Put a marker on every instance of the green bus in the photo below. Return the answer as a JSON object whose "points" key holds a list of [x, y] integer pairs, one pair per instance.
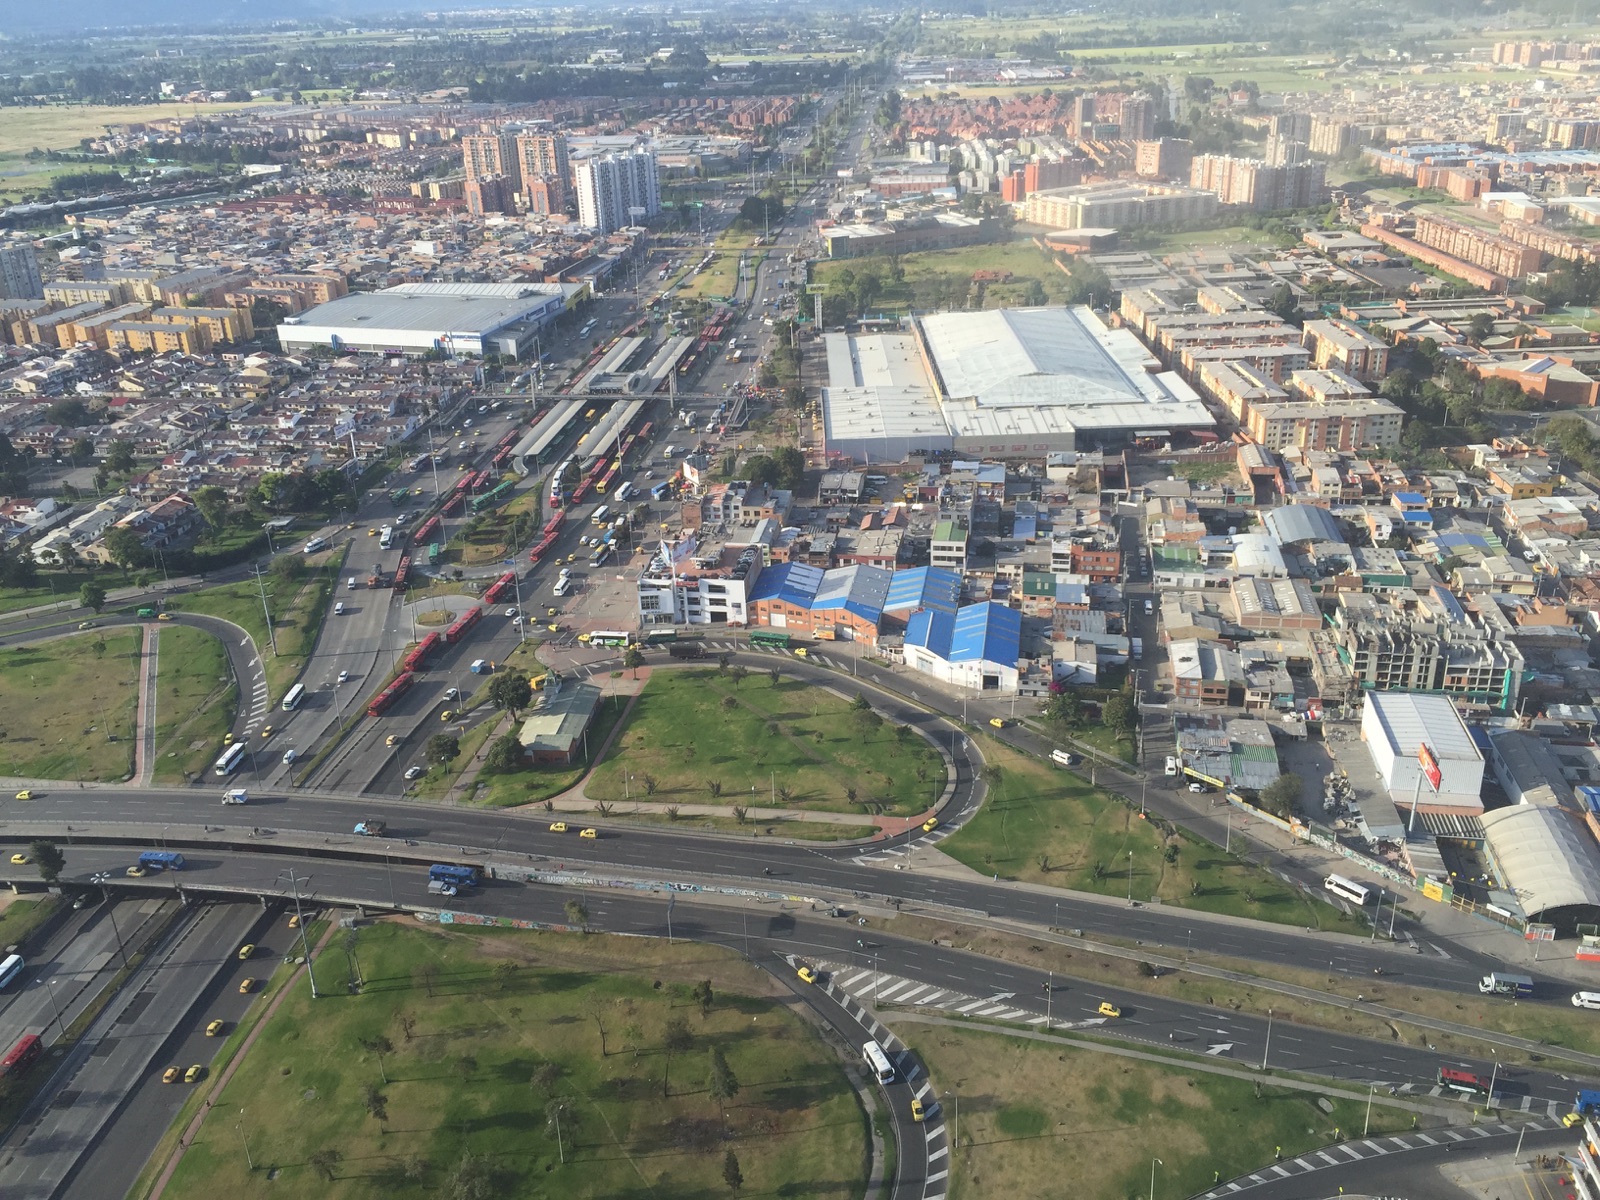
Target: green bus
{"points": [[770, 637], [433, 554], [147, 612], [657, 637]]}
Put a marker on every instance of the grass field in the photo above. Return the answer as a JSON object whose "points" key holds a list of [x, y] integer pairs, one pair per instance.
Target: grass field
{"points": [[297, 611], [67, 707], [1045, 826], [1203, 472], [755, 736], [536, 784], [62, 126], [493, 1032], [1033, 1114], [720, 278], [196, 699], [54, 586], [1024, 260], [20, 917]]}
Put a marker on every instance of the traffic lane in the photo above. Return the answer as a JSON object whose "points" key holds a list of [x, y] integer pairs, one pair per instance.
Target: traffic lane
{"points": [[911, 1169], [795, 930], [26, 1004]]}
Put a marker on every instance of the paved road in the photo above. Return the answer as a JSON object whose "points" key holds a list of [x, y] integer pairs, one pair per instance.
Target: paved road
{"points": [[756, 930], [121, 1045]]}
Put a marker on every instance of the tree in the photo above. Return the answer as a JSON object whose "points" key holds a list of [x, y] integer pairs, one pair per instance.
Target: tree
{"points": [[505, 754], [1281, 795], [288, 568], [511, 691], [703, 996], [738, 675], [442, 747], [1283, 304], [1480, 327], [92, 595], [472, 1179], [68, 412], [633, 659], [48, 858], [859, 704], [119, 457], [867, 724], [722, 1083], [212, 502], [676, 1038], [82, 450], [577, 914], [1064, 708], [731, 1174], [124, 547], [324, 1161], [379, 1045], [1117, 712], [376, 1102]]}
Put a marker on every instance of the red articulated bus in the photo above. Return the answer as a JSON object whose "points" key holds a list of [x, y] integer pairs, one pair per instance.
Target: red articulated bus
{"points": [[500, 588], [463, 623], [426, 531], [401, 572], [419, 654], [21, 1056], [384, 700]]}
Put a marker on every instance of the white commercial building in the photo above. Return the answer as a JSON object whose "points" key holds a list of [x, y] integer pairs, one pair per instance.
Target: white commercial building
{"points": [[1018, 383], [471, 319], [616, 190], [1395, 725]]}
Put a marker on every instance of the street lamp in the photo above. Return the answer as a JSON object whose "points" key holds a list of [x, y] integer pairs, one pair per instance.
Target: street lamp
{"points": [[245, 1138], [55, 1004], [1154, 1163], [111, 911], [294, 886], [1268, 1046], [1130, 878]]}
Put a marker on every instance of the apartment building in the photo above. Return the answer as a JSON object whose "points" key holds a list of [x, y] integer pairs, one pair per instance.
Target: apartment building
{"points": [[1206, 673], [1237, 386], [92, 329], [1492, 281], [19, 273], [611, 188], [95, 291], [1163, 158], [490, 160], [1331, 137], [1349, 348], [1118, 205], [1491, 251], [544, 173], [157, 337], [221, 324], [1312, 384], [948, 548], [1345, 423], [1257, 185]]}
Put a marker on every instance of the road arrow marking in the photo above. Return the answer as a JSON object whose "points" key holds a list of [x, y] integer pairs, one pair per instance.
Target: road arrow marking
{"points": [[999, 996], [1219, 1048]]}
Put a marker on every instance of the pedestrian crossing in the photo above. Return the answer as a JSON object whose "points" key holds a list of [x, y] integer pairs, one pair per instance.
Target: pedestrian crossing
{"points": [[1344, 1153], [877, 987]]}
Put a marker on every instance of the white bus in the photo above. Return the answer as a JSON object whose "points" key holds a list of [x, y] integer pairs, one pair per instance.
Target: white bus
{"points": [[292, 700], [10, 969], [1348, 889], [600, 514], [587, 329], [386, 536], [230, 760], [624, 491], [878, 1062]]}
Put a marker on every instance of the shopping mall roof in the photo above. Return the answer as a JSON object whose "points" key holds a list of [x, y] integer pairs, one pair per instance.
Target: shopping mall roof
{"points": [[462, 308]]}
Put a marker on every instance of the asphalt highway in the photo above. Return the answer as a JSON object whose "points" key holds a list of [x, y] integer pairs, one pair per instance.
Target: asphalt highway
{"points": [[763, 930]]}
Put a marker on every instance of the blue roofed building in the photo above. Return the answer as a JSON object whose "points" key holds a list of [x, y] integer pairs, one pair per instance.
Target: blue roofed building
{"points": [[934, 588], [976, 647], [846, 602]]}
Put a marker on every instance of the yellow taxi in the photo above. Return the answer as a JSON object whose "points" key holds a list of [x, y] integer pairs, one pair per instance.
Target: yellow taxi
{"points": [[1571, 1119], [591, 834], [193, 1073], [392, 740], [246, 986], [25, 794], [446, 714], [170, 1075], [135, 872], [998, 722], [930, 825], [294, 920], [807, 974], [266, 731], [19, 859], [1108, 1009], [164, 617], [918, 1113], [227, 739], [246, 950], [558, 827], [800, 652], [372, 533], [214, 1029]]}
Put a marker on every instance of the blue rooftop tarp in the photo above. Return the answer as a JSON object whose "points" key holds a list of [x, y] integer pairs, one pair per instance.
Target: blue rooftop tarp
{"points": [[937, 588]]}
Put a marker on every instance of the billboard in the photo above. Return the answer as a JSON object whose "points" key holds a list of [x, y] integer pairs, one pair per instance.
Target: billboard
{"points": [[1430, 765]]}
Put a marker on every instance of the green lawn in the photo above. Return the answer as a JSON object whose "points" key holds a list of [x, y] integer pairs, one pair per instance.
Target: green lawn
{"points": [[1204, 472], [20, 918], [536, 784], [757, 737], [1020, 256], [67, 707], [1034, 1113], [1107, 741], [196, 699], [55, 586], [297, 612], [1046, 826], [489, 1029]]}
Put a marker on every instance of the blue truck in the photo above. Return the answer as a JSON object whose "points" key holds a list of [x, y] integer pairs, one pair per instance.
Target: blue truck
{"points": [[161, 860]]}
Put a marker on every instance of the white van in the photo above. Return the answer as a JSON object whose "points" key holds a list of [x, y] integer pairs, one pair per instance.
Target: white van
{"points": [[1172, 765], [338, 609], [1062, 759], [241, 796], [315, 544], [1586, 999], [350, 584]]}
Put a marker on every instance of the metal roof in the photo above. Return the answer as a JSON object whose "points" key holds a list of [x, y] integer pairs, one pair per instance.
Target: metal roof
{"points": [[987, 632], [1410, 718], [857, 589], [791, 583], [420, 307], [1546, 856], [924, 587], [1301, 523]]}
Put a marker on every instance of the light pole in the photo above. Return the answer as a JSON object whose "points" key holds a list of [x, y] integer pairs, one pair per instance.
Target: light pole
{"points": [[1268, 1046], [1493, 1076], [1049, 997], [1377, 916], [55, 1004], [105, 898], [245, 1138], [305, 947], [1154, 1163], [955, 1118], [1130, 878], [1367, 1124]]}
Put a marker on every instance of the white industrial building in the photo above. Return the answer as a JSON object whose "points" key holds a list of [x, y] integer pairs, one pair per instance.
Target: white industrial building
{"points": [[1007, 383], [1395, 725], [471, 319]]}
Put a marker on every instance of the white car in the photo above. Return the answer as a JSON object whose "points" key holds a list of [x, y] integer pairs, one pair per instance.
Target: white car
{"points": [[414, 772], [344, 676], [452, 693], [511, 612], [565, 572]]}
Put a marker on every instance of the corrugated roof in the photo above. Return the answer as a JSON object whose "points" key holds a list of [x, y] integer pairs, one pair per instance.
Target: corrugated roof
{"points": [[1409, 719], [790, 583], [1546, 856], [937, 588], [1301, 523], [857, 589], [987, 632]]}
